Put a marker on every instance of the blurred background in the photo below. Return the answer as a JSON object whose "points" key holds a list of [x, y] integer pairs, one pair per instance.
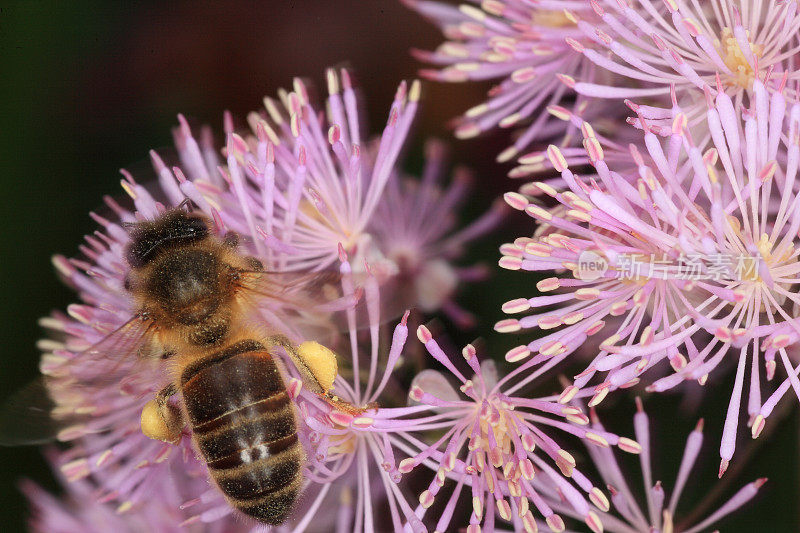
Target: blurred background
{"points": [[89, 87]]}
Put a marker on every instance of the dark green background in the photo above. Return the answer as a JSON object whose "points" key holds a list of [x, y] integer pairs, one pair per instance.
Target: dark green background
{"points": [[88, 87]]}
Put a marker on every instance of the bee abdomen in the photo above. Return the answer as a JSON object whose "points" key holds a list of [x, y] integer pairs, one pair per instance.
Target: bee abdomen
{"points": [[266, 488], [244, 427]]}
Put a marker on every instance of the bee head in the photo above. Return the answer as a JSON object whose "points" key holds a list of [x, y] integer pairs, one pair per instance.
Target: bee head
{"points": [[150, 238]]}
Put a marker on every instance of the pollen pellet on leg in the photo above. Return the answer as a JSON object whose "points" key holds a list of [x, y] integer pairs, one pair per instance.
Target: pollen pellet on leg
{"points": [[320, 361], [154, 424]]}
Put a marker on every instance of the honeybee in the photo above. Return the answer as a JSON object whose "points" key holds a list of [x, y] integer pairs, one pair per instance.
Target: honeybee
{"points": [[193, 293]]}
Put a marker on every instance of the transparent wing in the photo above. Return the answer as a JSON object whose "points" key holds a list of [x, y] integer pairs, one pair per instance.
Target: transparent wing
{"points": [[321, 294], [305, 291], [110, 359], [75, 383], [26, 416]]}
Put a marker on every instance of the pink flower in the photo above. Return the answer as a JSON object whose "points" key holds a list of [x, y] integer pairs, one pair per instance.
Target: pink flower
{"points": [[680, 48], [695, 253], [494, 444], [627, 514], [523, 45]]}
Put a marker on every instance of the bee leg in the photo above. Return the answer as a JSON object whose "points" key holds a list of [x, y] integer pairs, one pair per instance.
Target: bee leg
{"points": [[165, 394], [160, 419], [346, 407], [316, 363], [255, 264], [231, 239]]}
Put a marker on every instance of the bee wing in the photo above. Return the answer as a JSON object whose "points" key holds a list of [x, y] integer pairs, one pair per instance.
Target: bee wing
{"points": [[26, 416], [321, 293], [110, 359], [67, 395], [295, 290]]}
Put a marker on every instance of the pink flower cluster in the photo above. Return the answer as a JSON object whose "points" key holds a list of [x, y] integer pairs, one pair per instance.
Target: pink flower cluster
{"points": [[658, 144]]}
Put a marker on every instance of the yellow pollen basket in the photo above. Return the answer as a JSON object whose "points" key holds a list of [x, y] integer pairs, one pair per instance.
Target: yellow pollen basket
{"points": [[161, 424], [742, 73], [320, 362]]}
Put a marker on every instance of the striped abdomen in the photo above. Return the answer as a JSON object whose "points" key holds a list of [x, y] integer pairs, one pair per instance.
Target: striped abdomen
{"points": [[244, 426]]}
